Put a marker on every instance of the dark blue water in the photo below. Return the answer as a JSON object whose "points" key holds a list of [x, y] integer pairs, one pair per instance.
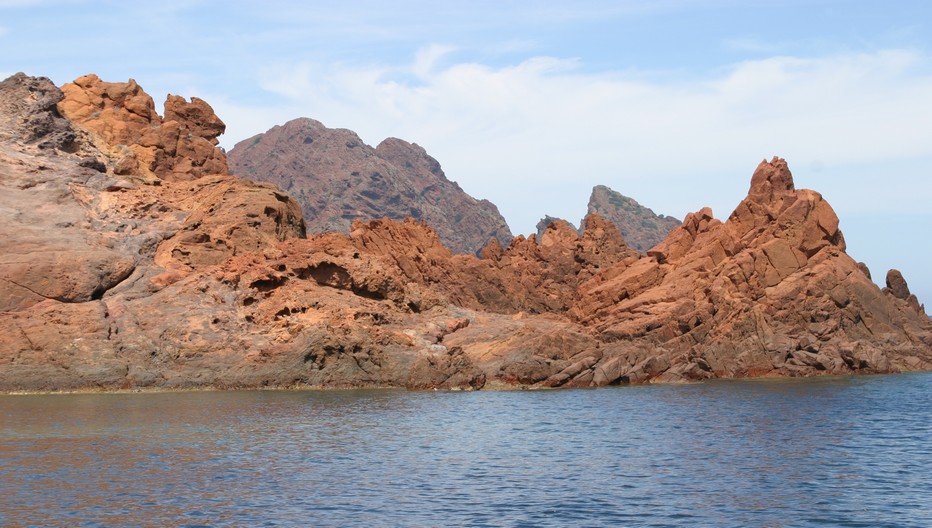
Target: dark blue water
{"points": [[831, 452]]}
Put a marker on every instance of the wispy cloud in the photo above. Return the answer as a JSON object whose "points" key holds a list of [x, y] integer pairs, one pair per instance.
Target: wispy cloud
{"points": [[545, 131], [427, 59]]}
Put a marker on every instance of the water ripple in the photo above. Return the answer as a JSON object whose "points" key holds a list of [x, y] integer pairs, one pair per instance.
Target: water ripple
{"points": [[830, 452]]}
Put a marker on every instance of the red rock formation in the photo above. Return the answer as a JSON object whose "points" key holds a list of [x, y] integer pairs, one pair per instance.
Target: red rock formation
{"points": [[136, 140], [217, 215], [525, 276], [78, 243], [50, 250], [769, 292], [106, 282]]}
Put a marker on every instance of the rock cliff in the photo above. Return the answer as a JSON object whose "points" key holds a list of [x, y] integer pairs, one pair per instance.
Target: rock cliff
{"points": [[132, 266], [338, 179], [770, 291]]}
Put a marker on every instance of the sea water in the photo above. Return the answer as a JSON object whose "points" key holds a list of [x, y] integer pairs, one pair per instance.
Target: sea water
{"points": [[853, 451]]}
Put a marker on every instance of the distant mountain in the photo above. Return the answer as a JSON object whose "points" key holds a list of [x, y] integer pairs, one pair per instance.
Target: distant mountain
{"points": [[641, 228], [545, 223], [337, 179]]}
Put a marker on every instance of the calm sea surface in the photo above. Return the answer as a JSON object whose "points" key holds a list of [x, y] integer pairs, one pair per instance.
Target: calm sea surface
{"points": [[830, 452]]}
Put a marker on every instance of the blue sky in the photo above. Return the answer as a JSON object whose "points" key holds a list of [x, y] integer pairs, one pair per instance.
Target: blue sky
{"points": [[530, 104]]}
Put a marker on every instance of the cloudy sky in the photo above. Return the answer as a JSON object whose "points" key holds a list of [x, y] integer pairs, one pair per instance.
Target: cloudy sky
{"points": [[530, 104]]}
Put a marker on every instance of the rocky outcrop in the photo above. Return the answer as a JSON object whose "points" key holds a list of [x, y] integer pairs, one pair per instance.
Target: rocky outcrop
{"points": [[29, 114], [338, 179], [49, 248], [897, 287], [769, 292], [641, 228], [544, 223], [74, 232], [527, 276], [137, 141], [130, 281]]}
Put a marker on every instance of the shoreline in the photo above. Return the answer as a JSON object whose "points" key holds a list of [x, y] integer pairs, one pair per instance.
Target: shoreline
{"points": [[493, 386]]}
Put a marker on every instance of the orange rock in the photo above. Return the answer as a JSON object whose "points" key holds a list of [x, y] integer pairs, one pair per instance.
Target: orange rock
{"points": [[773, 276], [122, 119]]}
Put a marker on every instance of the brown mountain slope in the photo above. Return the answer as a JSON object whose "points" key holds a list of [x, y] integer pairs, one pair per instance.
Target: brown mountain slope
{"points": [[337, 179], [183, 280], [640, 227]]}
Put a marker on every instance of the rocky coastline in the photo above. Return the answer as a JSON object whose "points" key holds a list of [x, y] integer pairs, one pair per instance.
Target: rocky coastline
{"points": [[133, 260]]}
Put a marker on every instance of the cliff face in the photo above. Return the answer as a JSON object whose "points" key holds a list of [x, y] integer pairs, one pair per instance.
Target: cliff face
{"points": [[124, 125], [159, 276], [80, 232], [640, 227], [338, 179], [770, 291]]}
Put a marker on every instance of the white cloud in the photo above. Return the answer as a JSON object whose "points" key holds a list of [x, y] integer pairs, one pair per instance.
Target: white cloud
{"points": [[544, 132], [427, 58]]}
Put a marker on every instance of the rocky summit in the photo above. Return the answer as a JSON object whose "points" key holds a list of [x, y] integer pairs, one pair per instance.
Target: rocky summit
{"points": [[131, 259], [641, 227], [338, 179]]}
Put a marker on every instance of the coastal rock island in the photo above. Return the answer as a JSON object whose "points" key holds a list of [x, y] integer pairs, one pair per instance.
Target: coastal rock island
{"points": [[132, 259]]}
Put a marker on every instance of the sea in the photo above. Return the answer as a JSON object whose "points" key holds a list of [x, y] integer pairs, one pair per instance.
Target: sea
{"points": [[845, 451]]}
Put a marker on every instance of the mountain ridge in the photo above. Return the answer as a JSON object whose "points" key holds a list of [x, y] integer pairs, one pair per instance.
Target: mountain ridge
{"points": [[337, 178]]}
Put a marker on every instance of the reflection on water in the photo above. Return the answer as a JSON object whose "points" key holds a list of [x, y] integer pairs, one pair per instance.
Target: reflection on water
{"points": [[835, 452]]}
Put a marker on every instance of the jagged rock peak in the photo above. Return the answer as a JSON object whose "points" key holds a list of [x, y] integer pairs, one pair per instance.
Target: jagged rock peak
{"points": [[197, 115], [771, 179], [121, 119], [897, 287], [896, 284], [641, 228], [545, 223]]}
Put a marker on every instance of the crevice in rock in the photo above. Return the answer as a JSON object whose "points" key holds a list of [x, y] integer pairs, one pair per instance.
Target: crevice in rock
{"points": [[27, 288]]}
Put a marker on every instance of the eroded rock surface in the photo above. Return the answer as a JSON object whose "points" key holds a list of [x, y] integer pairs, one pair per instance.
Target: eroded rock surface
{"points": [[136, 140], [768, 292], [77, 234]]}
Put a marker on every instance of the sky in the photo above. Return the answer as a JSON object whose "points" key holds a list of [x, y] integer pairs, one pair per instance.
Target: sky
{"points": [[530, 104]]}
